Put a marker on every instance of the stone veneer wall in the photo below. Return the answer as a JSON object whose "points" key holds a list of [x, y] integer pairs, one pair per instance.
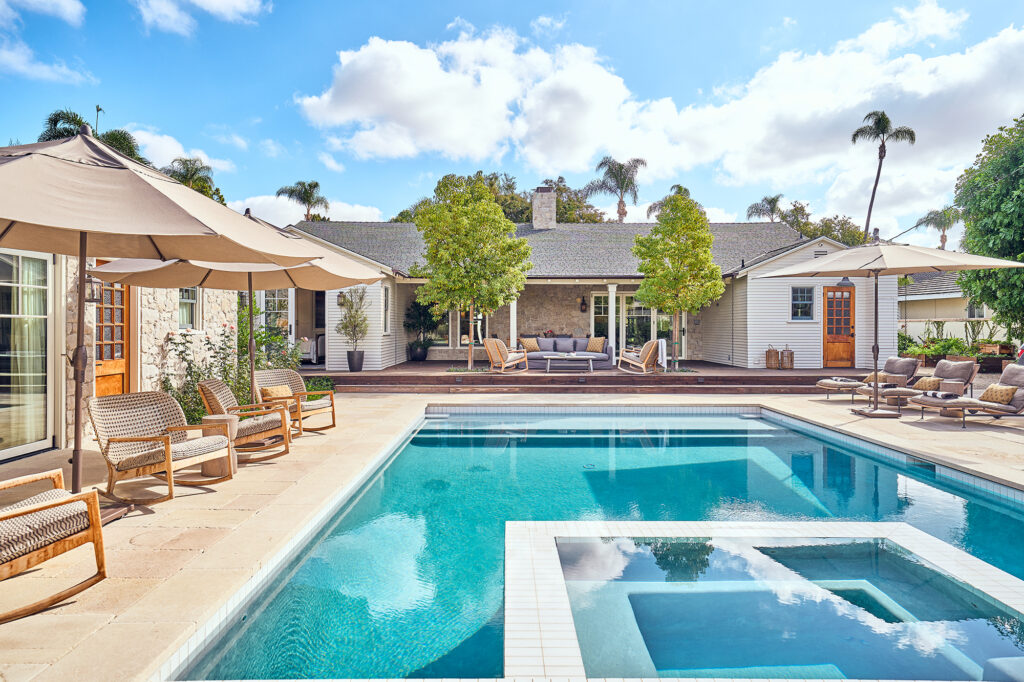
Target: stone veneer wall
{"points": [[694, 337], [548, 306], [70, 330]]}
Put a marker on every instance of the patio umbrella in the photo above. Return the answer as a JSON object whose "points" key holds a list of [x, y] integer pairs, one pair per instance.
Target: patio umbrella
{"points": [[77, 196], [880, 259], [331, 271]]}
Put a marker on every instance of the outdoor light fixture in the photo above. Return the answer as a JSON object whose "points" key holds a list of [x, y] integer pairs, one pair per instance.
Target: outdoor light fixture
{"points": [[93, 290], [844, 282], [583, 304]]}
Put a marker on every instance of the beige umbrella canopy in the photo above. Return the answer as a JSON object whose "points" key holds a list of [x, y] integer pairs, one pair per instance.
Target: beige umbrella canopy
{"points": [[881, 259], [78, 196]]}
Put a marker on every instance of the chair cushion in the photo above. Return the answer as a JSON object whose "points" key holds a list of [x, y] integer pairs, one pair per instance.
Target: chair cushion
{"points": [[529, 344], [259, 424], [24, 534], [564, 346], [998, 393], [960, 370], [579, 345], [271, 392], [928, 383], [833, 384], [631, 355], [595, 344], [310, 405], [1013, 375], [179, 451], [904, 366], [547, 345], [930, 401]]}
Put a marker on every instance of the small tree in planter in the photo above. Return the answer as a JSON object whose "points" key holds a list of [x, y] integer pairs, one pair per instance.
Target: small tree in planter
{"points": [[354, 324], [420, 320]]}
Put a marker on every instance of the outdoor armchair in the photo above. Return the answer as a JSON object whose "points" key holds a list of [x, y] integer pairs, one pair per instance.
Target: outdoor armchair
{"points": [[502, 359], [643, 361], [46, 525], [145, 434], [301, 403], [260, 427]]}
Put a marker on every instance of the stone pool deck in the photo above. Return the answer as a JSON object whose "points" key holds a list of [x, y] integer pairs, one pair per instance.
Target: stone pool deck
{"points": [[173, 565]]}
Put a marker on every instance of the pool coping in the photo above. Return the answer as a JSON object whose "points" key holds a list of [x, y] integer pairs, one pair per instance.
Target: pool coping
{"points": [[540, 635], [206, 632]]}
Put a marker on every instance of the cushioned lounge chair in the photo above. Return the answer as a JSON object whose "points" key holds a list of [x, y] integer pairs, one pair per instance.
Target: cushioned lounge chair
{"points": [[145, 434], [900, 369], [893, 380], [643, 361], [963, 407], [502, 359], [46, 525], [260, 427], [301, 403], [956, 377]]}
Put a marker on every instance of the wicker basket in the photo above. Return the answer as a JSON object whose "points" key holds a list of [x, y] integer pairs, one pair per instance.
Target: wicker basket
{"points": [[771, 358], [786, 359]]}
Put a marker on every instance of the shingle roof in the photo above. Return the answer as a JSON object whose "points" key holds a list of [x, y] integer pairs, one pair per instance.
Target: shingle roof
{"points": [[567, 250], [932, 283]]}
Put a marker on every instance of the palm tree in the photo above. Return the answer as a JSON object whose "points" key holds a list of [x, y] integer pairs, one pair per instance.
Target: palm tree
{"points": [[941, 220], [879, 128], [191, 172], [768, 208], [66, 123], [619, 180], [307, 194], [655, 208]]}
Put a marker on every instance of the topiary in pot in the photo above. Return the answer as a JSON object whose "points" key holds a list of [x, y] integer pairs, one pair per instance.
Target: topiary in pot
{"points": [[354, 324]]}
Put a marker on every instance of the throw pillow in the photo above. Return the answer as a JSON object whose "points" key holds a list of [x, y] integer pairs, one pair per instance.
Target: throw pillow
{"points": [[998, 393], [870, 379], [547, 345], [595, 344], [928, 383], [271, 392], [530, 344], [563, 345]]}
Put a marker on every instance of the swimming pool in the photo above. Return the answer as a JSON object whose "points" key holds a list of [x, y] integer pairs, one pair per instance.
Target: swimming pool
{"points": [[407, 579]]}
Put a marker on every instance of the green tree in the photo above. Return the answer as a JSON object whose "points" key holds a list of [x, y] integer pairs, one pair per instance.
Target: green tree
{"points": [[942, 220], [307, 195], [879, 129], [195, 174], [474, 261], [571, 205], [656, 207], [66, 123], [991, 196], [617, 179], [675, 260], [840, 228], [768, 208]]}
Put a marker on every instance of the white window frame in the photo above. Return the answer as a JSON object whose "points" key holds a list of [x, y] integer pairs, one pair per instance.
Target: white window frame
{"points": [[386, 301], [813, 303], [457, 317], [197, 320], [980, 308]]}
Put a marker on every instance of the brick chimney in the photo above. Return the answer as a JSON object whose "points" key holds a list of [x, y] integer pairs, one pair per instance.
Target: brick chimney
{"points": [[544, 208]]}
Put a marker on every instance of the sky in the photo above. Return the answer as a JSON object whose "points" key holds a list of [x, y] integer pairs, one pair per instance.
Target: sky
{"points": [[378, 100]]}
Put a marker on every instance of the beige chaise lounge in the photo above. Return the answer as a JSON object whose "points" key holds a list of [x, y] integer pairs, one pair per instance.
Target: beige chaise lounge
{"points": [[896, 370], [145, 434], [502, 359], [962, 406], [46, 525], [955, 376], [298, 399], [643, 361], [260, 427]]}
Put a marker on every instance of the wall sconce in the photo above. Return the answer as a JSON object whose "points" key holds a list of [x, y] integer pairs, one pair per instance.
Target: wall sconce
{"points": [[93, 290], [583, 304]]}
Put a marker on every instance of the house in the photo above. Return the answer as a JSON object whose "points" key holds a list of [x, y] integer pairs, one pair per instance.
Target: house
{"points": [[583, 282], [936, 297], [127, 332]]}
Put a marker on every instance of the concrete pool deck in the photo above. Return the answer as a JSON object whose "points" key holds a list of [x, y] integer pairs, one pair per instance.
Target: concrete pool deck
{"points": [[174, 565]]}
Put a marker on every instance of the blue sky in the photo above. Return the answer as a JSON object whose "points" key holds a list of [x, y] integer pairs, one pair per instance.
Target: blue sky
{"points": [[377, 100]]}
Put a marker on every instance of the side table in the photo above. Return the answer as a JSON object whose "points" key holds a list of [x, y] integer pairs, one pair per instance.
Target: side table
{"points": [[215, 468]]}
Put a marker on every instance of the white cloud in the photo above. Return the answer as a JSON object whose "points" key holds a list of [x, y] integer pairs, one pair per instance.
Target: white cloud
{"points": [[482, 95], [161, 149], [270, 148], [71, 11], [548, 25], [281, 211], [18, 58], [718, 215], [233, 139], [173, 16], [788, 22], [329, 161]]}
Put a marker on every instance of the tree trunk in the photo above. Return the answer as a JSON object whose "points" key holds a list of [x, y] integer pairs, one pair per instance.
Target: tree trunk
{"points": [[675, 340], [472, 337], [622, 211], [942, 240], [871, 204]]}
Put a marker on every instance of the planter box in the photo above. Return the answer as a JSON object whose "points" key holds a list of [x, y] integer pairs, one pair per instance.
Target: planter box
{"points": [[932, 360], [995, 348], [961, 358], [993, 364]]}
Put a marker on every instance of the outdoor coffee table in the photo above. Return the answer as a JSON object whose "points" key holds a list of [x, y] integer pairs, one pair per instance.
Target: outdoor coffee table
{"points": [[568, 357]]}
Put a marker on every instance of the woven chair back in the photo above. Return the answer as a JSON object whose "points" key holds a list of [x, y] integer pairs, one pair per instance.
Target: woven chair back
{"points": [[148, 413]]}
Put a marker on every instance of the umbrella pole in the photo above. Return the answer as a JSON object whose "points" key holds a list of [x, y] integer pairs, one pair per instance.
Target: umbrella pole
{"points": [[79, 360], [874, 350], [252, 350]]}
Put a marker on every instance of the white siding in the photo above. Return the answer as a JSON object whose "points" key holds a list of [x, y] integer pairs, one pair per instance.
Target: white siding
{"points": [[379, 350], [768, 314], [723, 326]]}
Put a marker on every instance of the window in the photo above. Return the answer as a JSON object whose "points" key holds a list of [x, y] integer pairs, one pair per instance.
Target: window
{"points": [[479, 328], [275, 311], [975, 311], [385, 292], [319, 316], [801, 304], [440, 335], [188, 307], [600, 308]]}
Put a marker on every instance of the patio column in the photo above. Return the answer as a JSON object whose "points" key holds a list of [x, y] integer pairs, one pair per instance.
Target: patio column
{"points": [[513, 324], [613, 324]]}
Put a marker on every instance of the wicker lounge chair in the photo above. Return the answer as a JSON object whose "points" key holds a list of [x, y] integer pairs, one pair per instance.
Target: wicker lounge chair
{"points": [[963, 407], [643, 361], [301, 403], [260, 427], [145, 434], [502, 359], [46, 525]]}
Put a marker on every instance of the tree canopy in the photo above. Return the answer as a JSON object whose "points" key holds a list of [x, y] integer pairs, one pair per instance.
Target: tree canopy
{"points": [[769, 207], [879, 129], [838, 227], [618, 178], [64, 123], [195, 174], [941, 220], [571, 205], [307, 195], [474, 261], [656, 206], [990, 195]]}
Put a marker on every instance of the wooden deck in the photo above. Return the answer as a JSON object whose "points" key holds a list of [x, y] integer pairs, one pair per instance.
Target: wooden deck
{"points": [[706, 377]]}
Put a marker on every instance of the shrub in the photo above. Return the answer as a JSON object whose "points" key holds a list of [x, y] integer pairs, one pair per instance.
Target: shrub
{"points": [[904, 342]]}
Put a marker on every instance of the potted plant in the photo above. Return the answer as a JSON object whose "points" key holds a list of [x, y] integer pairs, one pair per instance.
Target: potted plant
{"points": [[354, 324], [420, 320]]}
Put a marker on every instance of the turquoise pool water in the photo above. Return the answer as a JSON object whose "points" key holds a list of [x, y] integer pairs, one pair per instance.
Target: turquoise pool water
{"points": [[406, 580]]}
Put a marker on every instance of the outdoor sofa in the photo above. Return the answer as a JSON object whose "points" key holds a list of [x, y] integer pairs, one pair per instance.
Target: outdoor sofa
{"points": [[546, 346], [950, 405]]}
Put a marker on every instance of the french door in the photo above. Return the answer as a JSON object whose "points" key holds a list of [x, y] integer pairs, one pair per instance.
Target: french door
{"points": [[635, 324], [113, 340]]}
